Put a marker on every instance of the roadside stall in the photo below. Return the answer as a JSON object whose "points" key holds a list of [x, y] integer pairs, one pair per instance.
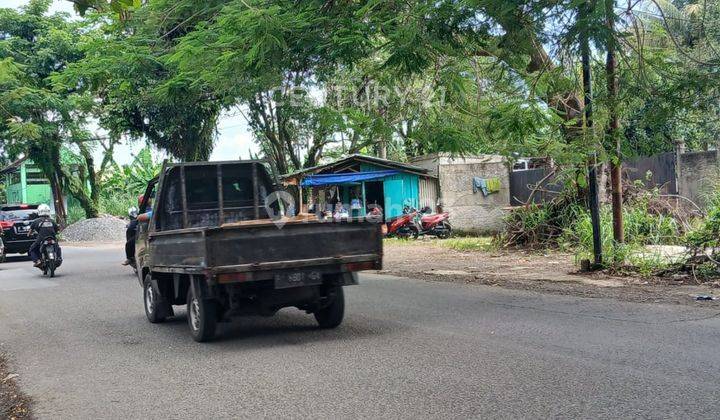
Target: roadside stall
{"points": [[358, 184]]}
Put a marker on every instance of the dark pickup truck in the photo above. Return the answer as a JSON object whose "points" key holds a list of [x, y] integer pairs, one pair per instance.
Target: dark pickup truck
{"points": [[217, 242]]}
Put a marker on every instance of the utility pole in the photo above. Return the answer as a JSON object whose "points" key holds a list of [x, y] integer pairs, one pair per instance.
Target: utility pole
{"points": [[593, 199], [614, 127]]}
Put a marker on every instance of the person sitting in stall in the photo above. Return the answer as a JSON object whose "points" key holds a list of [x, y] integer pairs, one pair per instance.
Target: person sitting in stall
{"points": [[340, 212]]}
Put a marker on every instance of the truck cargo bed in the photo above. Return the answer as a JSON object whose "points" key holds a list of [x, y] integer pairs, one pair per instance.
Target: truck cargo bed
{"points": [[247, 247]]}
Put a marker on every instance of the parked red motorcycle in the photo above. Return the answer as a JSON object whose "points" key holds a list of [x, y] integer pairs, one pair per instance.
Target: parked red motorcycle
{"points": [[404, 226], [434, 224]]}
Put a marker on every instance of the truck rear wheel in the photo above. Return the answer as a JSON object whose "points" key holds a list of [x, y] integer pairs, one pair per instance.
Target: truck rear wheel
{"points": [[153, 306], [202, 317], [332, 315]]}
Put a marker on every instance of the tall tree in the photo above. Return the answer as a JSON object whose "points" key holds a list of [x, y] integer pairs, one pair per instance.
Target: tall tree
{"points": [[613, 130], [37, 120]]}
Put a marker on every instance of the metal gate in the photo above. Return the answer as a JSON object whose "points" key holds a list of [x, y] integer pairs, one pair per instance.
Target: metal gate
{"points": [[523, 183], [654, 171]]}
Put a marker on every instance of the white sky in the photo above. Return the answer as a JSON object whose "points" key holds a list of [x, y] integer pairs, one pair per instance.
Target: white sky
{"points": [[234, 139]]}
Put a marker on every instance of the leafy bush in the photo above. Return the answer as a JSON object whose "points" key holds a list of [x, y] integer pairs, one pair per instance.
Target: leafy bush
{"points": [[129, 180], [707, 234], [117, 204], [75, 213], [704, 241]]}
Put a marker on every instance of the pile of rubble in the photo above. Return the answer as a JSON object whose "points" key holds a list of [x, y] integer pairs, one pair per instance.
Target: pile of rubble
{"points": [[105, 228]]}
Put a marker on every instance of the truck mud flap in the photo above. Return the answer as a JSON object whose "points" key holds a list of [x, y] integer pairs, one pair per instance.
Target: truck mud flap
{"points": [[164, 303]]}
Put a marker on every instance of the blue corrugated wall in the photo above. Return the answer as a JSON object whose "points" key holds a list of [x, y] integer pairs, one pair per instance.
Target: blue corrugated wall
{"points": [[400, 190]]}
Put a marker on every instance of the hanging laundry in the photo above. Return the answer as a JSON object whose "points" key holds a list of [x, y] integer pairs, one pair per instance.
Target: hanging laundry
{"points": [[486, 186], [493, 185], [480, 184]]}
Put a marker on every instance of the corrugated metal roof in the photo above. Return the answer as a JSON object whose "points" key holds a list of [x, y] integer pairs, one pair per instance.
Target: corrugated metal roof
{"points": [[361, 158], [13, 166]]}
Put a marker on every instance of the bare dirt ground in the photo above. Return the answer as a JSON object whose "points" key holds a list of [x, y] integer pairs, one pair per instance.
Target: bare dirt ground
{"points": [[13, 403], [550, 272]]}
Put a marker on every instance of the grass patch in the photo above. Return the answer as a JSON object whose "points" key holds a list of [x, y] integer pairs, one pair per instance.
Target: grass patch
{"points": [[464, 243], [401, 242], [468, 244]]}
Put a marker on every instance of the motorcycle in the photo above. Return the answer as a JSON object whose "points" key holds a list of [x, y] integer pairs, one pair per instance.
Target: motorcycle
{"points": [[434, 224], [404, 226], [50, 258]]}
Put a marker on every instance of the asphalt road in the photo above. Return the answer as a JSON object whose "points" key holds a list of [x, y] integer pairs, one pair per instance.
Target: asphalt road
{"points": [[407, 349]]}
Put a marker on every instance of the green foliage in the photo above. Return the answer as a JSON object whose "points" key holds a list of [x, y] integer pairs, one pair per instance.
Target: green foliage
{"points": [[706, 236], [117, 204], [643, 226], [567, 225], [75, 213], [121, 182]]}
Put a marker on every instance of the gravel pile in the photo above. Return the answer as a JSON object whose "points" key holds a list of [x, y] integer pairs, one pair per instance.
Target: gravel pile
{"points": [[102, 229]]}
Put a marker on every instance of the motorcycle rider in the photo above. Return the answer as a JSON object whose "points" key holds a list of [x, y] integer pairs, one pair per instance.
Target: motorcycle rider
{"points": [[45, 228]]}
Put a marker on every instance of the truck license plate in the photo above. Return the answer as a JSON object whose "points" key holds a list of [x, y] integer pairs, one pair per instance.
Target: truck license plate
{"points": [[297, 279]]}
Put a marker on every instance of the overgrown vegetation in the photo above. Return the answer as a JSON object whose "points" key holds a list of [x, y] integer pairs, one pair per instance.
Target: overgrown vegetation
{"points": [[565, 224]]}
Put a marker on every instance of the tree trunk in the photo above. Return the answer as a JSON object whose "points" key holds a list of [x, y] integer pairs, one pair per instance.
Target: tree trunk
{"points": [[92, 208], [614, 125], [60, 212]]}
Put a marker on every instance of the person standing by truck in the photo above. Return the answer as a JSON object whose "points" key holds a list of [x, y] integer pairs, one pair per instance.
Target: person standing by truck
{"points": [[131, 231]]}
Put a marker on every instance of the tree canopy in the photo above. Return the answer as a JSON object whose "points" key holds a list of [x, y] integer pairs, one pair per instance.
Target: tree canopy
{"points": [[317, 79]]}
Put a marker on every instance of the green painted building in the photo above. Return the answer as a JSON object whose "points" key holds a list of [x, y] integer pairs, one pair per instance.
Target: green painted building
{"points": [[25, 183]]}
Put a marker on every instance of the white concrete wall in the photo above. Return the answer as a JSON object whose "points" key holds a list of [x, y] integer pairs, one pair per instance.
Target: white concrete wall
{"points": [[470, 212]]}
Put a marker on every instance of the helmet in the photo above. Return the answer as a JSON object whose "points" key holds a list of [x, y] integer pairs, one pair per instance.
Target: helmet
{"points": [[43, 210], [133, 212]]}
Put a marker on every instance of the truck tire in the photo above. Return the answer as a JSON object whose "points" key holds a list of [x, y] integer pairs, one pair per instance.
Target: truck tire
{"points": [[332, 315], [153, 305], [202, 317]]}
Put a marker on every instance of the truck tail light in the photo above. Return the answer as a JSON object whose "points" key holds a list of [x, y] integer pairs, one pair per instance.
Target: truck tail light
{"points": [[360, 266], [233, 277]]}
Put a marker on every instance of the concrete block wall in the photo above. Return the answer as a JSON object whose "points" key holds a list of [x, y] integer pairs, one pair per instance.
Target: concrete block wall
{"points": [[698, 174], [470, 212]]}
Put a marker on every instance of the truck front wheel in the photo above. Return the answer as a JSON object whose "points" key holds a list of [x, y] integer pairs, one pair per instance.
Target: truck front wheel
{"points": [[332, 315], [202, 317]]}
